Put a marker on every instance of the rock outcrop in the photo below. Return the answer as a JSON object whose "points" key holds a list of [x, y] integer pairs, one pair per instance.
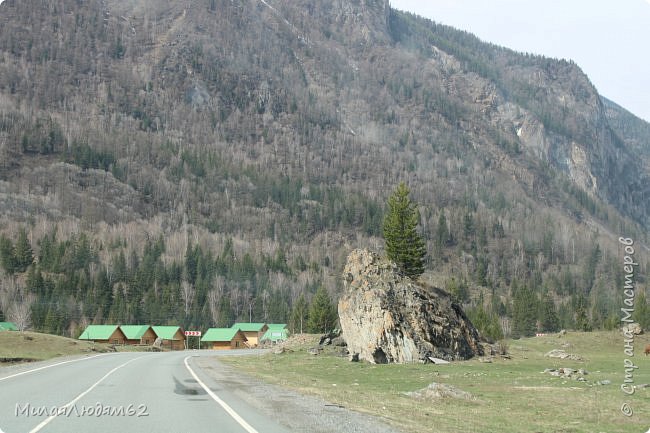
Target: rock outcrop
{"points": [[387, 318], [437, 391], [632, 329]]}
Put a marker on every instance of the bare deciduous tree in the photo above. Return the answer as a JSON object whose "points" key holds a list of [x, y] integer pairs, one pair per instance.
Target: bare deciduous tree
{"points": [[236, 301], [250, 301], [21, 311], [214, 298], [187, 292], [265, 304]]}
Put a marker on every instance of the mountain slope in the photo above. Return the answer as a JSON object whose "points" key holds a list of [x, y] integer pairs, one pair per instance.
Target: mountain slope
{"points": [[634, 131], [276, 129]]}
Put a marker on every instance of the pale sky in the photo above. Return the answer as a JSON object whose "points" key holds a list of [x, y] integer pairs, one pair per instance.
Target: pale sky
{"points": [[608, 39]]}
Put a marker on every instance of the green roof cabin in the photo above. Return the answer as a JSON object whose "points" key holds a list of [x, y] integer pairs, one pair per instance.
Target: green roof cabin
{"points": [[111, 334], [225, 338], [252, 331], [275, 333], [172, 337], [8, 326], [138, 334]]}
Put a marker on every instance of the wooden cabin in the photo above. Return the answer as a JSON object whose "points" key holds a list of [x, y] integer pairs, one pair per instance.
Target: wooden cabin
{"points": [[252, 331], [275, 333], [171, 337], [110, 334], [225, 338], [138, 334]]}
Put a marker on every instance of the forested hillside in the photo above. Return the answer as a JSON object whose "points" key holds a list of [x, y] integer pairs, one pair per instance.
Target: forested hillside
{"points": [[200, 162]]}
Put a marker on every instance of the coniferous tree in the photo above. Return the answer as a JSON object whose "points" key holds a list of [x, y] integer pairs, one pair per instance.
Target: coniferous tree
{"points": [[458, 290], [322, 314], [468, 226], [23, 255], [191, 262], [548, 315], [581, 319], [7, 255], [589, 270], [225, 313], [641, 313], [442, 232], [404, 245], [119, 269], [486, 322], [299, 315], [524, 312], [278, 307], [50, 321]]}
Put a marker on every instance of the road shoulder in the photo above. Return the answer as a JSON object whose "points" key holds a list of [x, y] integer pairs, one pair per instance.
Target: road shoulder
{"points": [[295, 411]]}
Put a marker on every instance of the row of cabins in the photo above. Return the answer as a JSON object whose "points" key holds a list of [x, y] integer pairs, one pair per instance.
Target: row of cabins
{"points": [[244, 335], [240, 335], [171, 337]]}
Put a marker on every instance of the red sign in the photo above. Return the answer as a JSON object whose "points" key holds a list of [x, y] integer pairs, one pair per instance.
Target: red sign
{"points": [[192, 333]]}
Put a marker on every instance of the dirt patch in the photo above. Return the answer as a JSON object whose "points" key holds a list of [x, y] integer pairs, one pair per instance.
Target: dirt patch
{"points": [[561, 354], [437, 391], [538, 388], [9, 361]]}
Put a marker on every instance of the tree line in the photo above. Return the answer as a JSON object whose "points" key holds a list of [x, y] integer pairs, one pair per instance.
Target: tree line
{"points": [[70, 282], [69, 288]]}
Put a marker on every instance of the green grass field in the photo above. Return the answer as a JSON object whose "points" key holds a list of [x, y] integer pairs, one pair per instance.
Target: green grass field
{"points": [[510, 395], [33, 346]]}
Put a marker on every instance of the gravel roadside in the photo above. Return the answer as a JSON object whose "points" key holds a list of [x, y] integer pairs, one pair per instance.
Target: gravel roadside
{"points": [[297, 412]]}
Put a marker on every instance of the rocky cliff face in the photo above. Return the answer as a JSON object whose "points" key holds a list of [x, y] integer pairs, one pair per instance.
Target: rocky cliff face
{"points": [[388, 318]]}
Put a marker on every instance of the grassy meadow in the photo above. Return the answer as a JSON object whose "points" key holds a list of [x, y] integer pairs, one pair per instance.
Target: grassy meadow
{"points": [[33, 346], [509, 395]]}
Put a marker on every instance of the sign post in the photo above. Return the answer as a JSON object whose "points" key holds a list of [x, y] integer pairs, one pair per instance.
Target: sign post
{"points": [[196, 334]]}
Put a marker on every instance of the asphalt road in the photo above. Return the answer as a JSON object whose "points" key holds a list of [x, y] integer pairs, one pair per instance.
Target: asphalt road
{"points": [[124, 392]]}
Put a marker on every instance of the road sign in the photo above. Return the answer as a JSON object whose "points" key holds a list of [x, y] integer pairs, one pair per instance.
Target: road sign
{"points": [[192, 333]]}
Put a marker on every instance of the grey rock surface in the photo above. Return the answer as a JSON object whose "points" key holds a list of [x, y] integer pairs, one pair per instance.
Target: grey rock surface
{"points": [[388, 318]]}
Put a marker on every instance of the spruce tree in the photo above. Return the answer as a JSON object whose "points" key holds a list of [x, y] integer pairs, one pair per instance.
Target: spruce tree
{"points": [[582, 322], [23, 254], [548, 315], [7, 258], [442, 233], [525, 308], [404, 245], [322, 314], [226, 316], [299, 315]]}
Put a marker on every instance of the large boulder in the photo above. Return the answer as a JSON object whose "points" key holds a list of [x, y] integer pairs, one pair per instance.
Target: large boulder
{"points": [[386, 317]]}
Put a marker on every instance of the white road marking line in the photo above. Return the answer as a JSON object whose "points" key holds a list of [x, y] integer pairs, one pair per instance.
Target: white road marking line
{"points": [[80, 396], [222, 403], [48, 366]]}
